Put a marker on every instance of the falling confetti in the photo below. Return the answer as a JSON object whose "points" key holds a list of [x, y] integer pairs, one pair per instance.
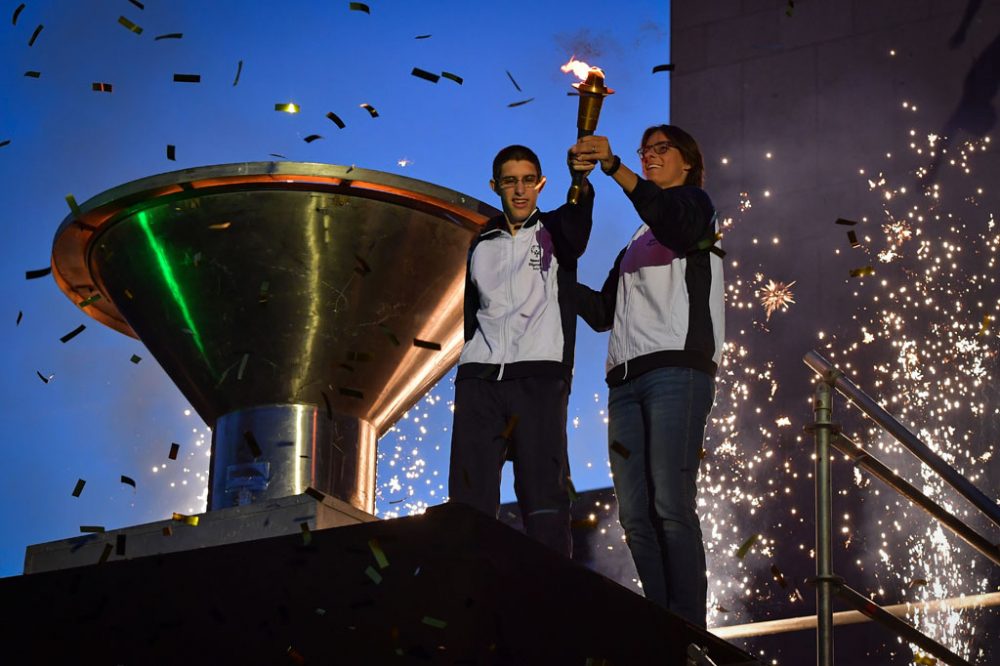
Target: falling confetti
{"points": [[239, 70], [663, 68], [171, 152], [169, 35], [424, 344], [336, 119], [187, 78], [312, 137], [511, 77], [174, 450], [360, 7], [521, 103], [101, 87], [424, 74], [129, 481], [453, 77], [132, 27], [287, 107], [72, 334], [80, 483], [34, 35], [370, 109], [17, 12]]}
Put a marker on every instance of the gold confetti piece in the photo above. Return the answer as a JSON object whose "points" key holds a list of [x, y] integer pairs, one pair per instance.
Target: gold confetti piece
{"points": [[187, 78], [37, 273], [128, 295], [454, 77], [721, 608], [239, 70], [92, 529], [20, 316], [847, 223], [360, 7], [307, 536], [925, 660], [187, 520], [434, 622], [72, 334], [169, 35], [521, 103], [336, 119], [120, 544], [32, 74], [422, 37], [424, 344], [985, 325], [128, 480], [137, 4], [389, 334], [287, 107], [425, 75], [171, 152], [370, 109], [106, 554], [852, 238], [80, 483], [374, 575], [620, 449], [73, 207], [167, 531], [252, 443], [100, 87], [379, 554], [91, 300], [669, 67], [129, 25], [790, 8], [350, 393], [745, 547], [315, 494], [863, 271], [220, 226], [778, 576], [174, 449], [508, 429], [17, 12], [45, 380], [312, 137], [511, 77], [571, 489], [34, 35]]}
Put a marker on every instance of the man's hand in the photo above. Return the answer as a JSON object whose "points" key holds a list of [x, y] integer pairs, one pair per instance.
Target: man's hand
{"points": [[590, 150]]}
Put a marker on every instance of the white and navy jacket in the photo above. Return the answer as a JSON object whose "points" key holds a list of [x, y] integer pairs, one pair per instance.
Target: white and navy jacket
{"points": [[520, 314], [663, 300]]}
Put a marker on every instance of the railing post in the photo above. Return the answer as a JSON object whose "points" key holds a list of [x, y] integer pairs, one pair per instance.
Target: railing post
{"points": [[823, 410]]}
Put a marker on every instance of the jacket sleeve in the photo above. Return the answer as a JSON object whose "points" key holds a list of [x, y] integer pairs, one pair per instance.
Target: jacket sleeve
{"points": [[471, 296], [570, 226], [597, 308], [679, 217]]}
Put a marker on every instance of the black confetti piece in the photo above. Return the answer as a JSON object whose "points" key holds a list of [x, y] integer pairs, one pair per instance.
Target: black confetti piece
{"points": [[454, 77], [778, 576], [127, 480], [119, 544], [329, 408], [417, 37], [312, 137], [174, 449], [853, 238], [620, 449], [169, 35], [263, 294], [424, 74], [252, 444], [315, 494], [5, 142], [511, 77], [916, 582], [135, 358], [45, 380], [239, 70], [306, 534], [80, 483], [362, 357], [360, 7], [425, 344], [521, 103], [132, 27], [17, 12], [745, 547], [92, 529], [171, 152], [389, 334], [20, 316], [34, 35], [336, 119], [106, 554], [371, 111], [362, 268], [350, 393], [669, 67], [37, 273], [137, 4], [72, 334], [98, 86], [187, 78], [790, 8], [848, 223], [278, 155], [32, 74]]}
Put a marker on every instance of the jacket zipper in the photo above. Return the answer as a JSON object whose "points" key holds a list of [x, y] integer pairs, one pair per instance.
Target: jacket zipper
{"points": [[510, 301]]}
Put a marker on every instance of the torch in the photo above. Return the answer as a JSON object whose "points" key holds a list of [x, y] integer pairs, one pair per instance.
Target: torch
{"points": [[592, 92]]}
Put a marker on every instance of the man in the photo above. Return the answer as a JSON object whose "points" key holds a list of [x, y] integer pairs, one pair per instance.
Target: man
{"points": [[516, 366]]}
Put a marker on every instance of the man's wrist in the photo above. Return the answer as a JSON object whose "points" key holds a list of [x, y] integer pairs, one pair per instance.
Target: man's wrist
{"points": [[615, 165]]}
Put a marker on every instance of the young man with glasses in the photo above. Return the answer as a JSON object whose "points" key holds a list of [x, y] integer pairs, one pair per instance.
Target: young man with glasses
{"points": [[514, 374]]}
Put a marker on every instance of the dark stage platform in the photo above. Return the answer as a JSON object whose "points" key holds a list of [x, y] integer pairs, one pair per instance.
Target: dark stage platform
{"points": [[448, 587]]}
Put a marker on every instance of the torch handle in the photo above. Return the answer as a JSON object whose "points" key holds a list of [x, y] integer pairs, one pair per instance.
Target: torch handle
{"points": [[576, 184]]}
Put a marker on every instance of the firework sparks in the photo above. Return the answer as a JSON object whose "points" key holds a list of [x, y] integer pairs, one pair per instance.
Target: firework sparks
{"points": [[775, 296]]}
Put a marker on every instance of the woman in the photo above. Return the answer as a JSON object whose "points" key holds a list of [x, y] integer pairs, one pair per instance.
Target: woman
{"points": [[663, 302]]}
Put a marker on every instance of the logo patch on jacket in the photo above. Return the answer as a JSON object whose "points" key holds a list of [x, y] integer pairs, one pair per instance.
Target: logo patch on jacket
{"points": [[542, 251]]}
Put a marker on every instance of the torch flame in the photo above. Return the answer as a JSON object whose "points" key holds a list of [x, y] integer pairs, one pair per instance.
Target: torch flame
{"points": [[579, 68]]}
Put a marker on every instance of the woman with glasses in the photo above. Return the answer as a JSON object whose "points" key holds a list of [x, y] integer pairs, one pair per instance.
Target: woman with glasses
{"points": [[663, 303]]}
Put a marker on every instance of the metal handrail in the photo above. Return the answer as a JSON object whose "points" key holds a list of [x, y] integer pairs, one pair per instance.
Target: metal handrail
{"points": [[825, 432], [875, 412]]}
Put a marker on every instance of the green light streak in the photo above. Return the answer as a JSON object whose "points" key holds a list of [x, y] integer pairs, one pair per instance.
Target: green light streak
{"points": [[168, 277]]}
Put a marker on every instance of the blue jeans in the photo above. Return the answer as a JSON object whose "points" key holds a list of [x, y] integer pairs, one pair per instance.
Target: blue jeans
{"points": [[656, 424]]}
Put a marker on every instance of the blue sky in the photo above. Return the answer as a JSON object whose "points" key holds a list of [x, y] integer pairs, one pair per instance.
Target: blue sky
{"points": [[101, 416]]}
